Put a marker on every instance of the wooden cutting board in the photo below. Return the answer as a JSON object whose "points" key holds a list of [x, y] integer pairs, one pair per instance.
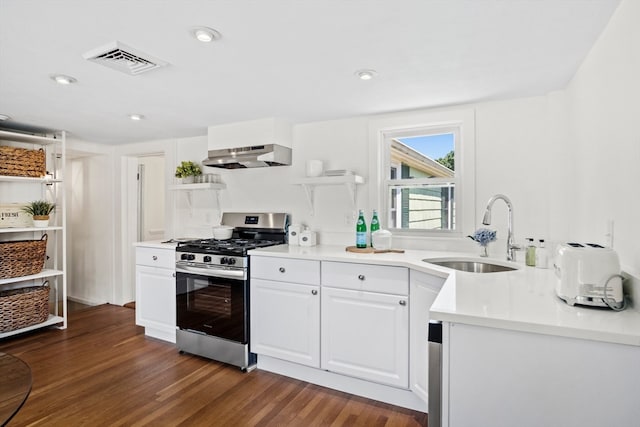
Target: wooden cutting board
{"points": [[372, 250]]}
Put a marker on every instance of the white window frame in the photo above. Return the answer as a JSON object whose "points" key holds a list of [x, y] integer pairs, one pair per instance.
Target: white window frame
{"points": [[383, 129]]}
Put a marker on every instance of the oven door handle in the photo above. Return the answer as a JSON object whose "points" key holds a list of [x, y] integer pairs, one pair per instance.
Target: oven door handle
{"points": [[239, 273]]}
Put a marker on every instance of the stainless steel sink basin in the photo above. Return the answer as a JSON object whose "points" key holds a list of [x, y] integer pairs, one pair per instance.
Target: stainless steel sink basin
{"points": [[470, 265]]}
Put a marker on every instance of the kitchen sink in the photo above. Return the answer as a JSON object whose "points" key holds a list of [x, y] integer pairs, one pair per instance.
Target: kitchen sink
{"points": [[471, 265]]}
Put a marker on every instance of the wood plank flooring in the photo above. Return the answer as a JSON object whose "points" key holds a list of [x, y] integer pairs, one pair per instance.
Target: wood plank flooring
{"points": [[103, 371]]}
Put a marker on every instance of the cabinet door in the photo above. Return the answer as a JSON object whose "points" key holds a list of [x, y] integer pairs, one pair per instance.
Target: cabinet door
{"points": [[424, 290], [366, 335], [285, 321], [156, 302]]}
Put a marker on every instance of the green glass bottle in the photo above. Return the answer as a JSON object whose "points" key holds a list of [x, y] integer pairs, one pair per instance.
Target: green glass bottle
{"points": [[361, 231], [375, 224]]}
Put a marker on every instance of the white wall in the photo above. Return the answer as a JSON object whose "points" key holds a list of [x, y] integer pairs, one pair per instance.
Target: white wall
{"points": [[605, 137], [567, 160]]}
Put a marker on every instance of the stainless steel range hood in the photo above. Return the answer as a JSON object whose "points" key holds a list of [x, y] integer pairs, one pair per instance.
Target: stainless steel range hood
{"points": [[255, 156]]}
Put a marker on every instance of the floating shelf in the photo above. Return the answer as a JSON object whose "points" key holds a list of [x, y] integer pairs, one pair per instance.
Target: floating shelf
{"points": [[189, 188], [349, 182], [199, 186]]}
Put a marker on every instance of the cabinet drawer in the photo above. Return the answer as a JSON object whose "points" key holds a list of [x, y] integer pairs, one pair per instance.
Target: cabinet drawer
{"points": [[155, 257], [286, 270], [366, 277]]}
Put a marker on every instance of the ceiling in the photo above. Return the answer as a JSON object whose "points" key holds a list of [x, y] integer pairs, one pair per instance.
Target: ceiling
{"points": [[293, 59]]}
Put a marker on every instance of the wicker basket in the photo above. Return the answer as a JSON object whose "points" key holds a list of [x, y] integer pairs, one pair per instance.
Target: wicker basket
{"points": [[23, 307], [22, 257], [15, 161]]}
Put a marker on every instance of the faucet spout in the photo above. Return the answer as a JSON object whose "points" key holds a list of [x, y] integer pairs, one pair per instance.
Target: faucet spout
{"points": [[486, 220]]}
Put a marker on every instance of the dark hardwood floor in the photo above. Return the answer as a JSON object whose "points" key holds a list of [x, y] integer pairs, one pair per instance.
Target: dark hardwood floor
{"points": [[102, 371]]}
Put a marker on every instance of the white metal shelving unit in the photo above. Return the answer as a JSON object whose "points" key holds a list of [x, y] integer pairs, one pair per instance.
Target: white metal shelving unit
{"points": [[52, 189], [349, 182]]}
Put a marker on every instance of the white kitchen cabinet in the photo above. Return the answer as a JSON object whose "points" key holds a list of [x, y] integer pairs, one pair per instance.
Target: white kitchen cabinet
{"points": [[286, 321], [156, 292], [424, 289], [22, 190], [365, 322], [499, 377], [285, 309]]}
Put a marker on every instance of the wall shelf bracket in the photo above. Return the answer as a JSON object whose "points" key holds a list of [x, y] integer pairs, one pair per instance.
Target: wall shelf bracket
{"points": [[349, 182]]}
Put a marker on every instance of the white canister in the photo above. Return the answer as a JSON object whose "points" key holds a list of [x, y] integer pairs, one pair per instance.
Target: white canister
{"points": [[293, 234], [314, 168], [307, 237], [381, 239]]}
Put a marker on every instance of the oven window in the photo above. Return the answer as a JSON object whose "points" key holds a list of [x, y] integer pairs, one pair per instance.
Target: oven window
{"points": [[211, 305]]}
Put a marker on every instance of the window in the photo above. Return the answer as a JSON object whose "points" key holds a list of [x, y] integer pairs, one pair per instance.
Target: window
{"points": [[421, 181], [426, 173]]}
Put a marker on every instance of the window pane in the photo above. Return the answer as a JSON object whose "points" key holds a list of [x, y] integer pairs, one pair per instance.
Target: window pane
{"points": [[422, 207], [423, 156]]}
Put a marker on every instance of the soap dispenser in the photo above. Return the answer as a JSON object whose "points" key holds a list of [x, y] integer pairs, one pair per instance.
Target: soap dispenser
{"points": [[542, 257], [530, 256]]}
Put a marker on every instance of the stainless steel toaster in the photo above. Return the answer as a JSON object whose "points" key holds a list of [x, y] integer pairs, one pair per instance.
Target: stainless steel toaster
{"points": [[587, 273]]}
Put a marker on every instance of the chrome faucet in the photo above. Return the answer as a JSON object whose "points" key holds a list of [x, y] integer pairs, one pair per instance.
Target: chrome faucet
{"points": [[486, 220]]}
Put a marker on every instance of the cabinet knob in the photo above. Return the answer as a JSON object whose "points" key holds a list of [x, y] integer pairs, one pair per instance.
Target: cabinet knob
{"points": [[174, 274], [281, 270], [361, 277], [403, 302], [314, 292], [155, 258]]}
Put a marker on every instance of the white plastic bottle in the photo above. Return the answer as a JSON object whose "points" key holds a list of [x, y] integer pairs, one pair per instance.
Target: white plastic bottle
{"points": [[542, 257]]}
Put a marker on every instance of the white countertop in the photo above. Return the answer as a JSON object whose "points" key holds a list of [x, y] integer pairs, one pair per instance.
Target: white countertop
{"points": [[521, 300], [158, 244]]}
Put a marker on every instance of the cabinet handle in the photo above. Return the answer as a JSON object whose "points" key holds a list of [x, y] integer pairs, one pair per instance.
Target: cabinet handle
{"points": [[361, 277], [281, 270], [403, 302], [155, 258], [314, 292]]}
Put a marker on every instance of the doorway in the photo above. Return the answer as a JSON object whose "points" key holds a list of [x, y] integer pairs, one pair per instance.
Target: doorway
{"points": [[151, 198]]}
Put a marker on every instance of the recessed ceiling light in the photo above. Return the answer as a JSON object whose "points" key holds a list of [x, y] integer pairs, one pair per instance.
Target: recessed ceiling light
{"points": [[136, 117], [63, 79], [365, 74], [4, 117], [205, 34]]}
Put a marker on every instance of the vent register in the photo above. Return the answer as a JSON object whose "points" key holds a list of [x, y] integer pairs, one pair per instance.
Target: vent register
{"points": [[124, 58]]}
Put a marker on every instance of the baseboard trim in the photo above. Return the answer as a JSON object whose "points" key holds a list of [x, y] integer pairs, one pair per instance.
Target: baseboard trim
{"points": [[370, 390]]}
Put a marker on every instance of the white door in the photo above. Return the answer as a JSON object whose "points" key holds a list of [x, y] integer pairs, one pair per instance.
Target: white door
{"points": [[366, 335], [156, 301], [285, 321], [424, 290]]}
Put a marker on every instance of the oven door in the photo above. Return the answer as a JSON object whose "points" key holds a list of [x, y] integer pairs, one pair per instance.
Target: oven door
{"points": [[212, 302]]}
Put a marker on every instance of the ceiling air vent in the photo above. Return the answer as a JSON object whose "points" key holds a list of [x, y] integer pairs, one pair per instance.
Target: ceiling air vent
{"points": [[123, 58]]}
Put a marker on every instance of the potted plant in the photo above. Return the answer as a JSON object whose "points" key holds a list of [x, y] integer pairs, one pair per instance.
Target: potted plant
{"points": [[39, 210], [187, 170]]}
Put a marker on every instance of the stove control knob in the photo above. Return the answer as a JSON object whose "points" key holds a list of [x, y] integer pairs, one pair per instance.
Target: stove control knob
{"points": [[207, 258], [191, 257], [183, 256], [232, 261], [224, 260]]}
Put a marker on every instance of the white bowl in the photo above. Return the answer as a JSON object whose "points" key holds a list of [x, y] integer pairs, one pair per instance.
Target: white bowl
{"points": [[222, 232]]}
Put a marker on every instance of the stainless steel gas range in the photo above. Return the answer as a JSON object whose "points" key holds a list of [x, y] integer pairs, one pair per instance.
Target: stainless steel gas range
{"points": [[212, 288]]}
